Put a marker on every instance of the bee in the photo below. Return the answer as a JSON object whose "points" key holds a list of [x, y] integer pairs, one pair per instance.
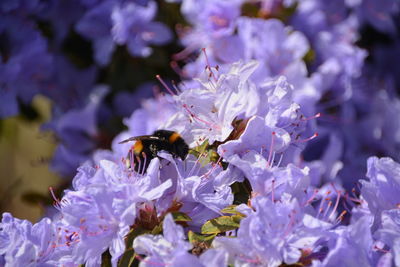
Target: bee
{"points": [[146, 148]]}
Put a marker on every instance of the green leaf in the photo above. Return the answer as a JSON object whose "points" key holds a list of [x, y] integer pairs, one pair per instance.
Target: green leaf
{"points": [[196, 151], [127, 258], [207, 152], [180, 216], [231, 209], [198, 238], [157, 230], [221, 224]]}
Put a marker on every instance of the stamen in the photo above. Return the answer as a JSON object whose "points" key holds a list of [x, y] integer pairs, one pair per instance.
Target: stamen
{"points": [[196, 162], [336, 205], [327, 209], [307, 139], [346, 196], [175, 87], [280, 160], [320, 209], [245, 259], [144, 164], [164, 84], [273, 158], [310, 118], [215, 165], [57, 203], [53, 195], [132, 161], [291, 223], [271, 148], [212, 125], [273, 191], [376, 248], [312, 198], [340, 217], [140, 163], [208, 64]]}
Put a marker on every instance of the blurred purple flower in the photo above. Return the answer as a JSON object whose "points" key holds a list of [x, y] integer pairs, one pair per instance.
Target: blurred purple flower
{"points": [[76, 130], [118, 22], [25, 63], [96, 25], [378, 13], [133, 26]]}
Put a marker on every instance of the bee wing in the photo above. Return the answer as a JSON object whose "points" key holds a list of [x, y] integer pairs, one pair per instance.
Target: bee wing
{"points": [[141, 137]]}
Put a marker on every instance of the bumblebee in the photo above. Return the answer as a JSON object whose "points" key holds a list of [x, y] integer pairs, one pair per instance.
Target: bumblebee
{"points": [[146, 148]]}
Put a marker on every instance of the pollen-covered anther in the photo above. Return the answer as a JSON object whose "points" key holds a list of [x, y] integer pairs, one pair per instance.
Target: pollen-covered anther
{"points": [[315, 135], [316, 116]]}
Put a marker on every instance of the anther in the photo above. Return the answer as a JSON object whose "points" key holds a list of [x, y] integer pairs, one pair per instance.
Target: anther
{"points": [[310, 118]]}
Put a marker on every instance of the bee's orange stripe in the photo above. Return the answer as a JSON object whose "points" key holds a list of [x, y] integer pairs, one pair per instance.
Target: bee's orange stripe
{"points": [[173, 138], [138, 147]]}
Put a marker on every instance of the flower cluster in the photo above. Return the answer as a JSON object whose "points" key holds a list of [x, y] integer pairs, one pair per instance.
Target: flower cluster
{"points": [[289, 111]]}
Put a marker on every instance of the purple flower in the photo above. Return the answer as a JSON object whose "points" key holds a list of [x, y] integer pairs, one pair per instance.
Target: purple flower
{"points": [[349, 246], [23, 244], [273, 234], [171, 248], [104, 206], [208, 111], [202, 190], [383, 188], [275, 132], [390, 232]]}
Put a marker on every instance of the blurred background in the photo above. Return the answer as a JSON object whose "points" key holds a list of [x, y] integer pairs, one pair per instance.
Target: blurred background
{"points": [[38, 147]]}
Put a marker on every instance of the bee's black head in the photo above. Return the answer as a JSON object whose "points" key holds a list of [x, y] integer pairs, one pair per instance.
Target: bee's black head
{"points": [[181, 148]]}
